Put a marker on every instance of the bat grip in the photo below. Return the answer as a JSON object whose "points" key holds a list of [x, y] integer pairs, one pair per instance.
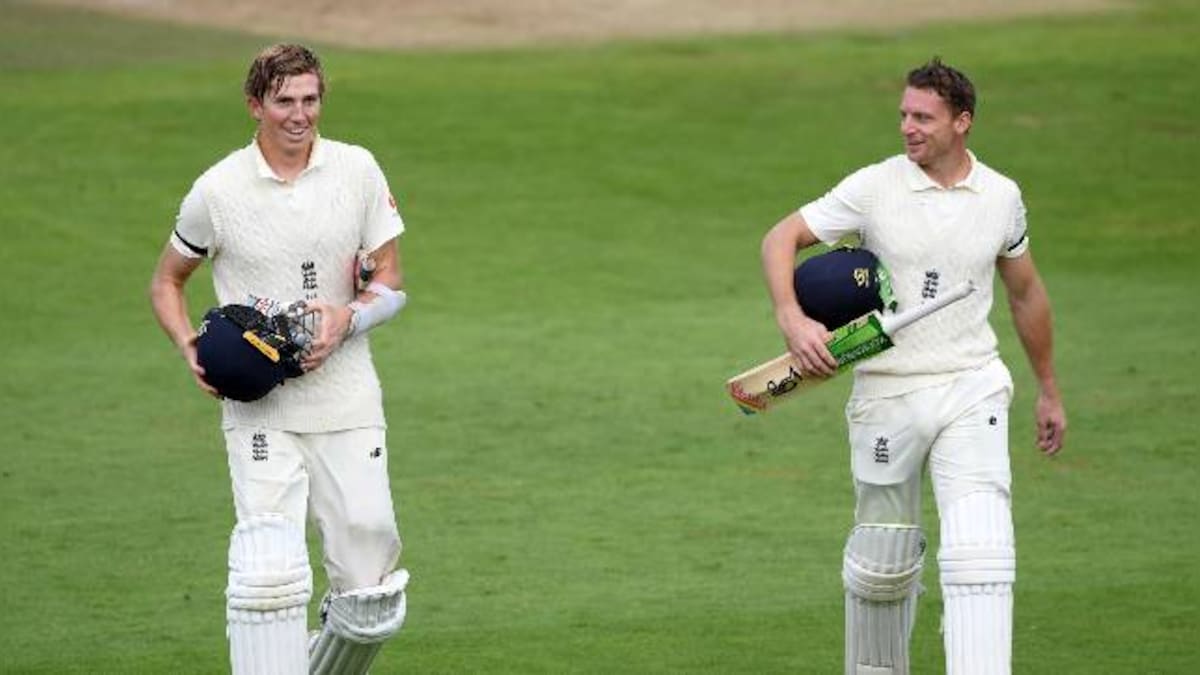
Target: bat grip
{"points": [[894, 322]]}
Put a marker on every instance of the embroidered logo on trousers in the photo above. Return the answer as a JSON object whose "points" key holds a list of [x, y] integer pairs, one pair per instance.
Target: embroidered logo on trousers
{"points": [[258, 447], [882, 455]]}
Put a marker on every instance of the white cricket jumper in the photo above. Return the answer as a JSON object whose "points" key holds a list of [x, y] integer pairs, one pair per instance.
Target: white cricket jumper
{"points": [[930, 239], [295, 240]]}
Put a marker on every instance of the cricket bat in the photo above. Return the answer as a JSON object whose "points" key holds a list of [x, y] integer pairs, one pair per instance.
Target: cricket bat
{"points": [[779, 379]]}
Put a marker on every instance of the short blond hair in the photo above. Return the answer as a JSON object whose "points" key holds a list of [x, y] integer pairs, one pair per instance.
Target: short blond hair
{"points": [[278, 62]]}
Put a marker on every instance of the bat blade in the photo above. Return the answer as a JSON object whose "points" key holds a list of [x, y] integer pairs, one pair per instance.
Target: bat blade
{"points": [[766, 385], [761, 387]]}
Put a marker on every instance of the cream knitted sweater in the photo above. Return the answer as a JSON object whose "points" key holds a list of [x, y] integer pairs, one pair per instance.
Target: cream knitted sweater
{"points": [[930, 239], [298, 240]]}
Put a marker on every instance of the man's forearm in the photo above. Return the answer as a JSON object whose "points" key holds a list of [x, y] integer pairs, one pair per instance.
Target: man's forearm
{"points": [[170, 309], [779, 248], [1033, 320], [382, 297], [777, 260]]}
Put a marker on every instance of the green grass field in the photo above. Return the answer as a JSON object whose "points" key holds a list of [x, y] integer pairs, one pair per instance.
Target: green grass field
{"points": [[575, 492]]}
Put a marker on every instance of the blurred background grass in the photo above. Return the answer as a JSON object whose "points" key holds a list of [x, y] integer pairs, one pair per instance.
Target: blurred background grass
{"points": [[575, 492]]}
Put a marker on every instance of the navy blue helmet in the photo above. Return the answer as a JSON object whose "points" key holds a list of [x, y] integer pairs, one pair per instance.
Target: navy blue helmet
{"points": [[841, 285], [245, 354]]}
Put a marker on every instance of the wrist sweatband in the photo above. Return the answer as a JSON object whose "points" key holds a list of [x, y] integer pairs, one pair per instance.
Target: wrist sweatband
{"points": [[367, 315]]}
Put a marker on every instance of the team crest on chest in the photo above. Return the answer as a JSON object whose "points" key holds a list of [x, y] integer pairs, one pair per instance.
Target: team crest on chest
{"points": [[929, 289], [308, 279]]}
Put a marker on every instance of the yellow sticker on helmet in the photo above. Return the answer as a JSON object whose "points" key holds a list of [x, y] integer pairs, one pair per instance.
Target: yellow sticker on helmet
{"points": [[267, 350]]}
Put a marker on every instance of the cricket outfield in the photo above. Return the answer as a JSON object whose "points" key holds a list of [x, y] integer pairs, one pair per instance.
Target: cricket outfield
{"points": [[575, 491]]}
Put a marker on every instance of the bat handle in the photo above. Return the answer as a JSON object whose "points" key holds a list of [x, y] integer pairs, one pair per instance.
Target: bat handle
{"points": [[953, 295], [894, 322]]}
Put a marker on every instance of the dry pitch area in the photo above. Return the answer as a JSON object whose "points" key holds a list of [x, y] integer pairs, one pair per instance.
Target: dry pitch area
{"points": [[453, 24]]}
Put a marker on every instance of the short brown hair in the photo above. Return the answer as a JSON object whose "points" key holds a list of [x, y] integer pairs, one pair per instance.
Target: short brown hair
{"points": [[278, 62], [949, 83]]}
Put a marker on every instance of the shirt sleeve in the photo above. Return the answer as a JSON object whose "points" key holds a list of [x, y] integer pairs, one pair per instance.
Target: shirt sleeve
{"points": [[1017, 241], [843, 210], [193, 235], [383, 221]]}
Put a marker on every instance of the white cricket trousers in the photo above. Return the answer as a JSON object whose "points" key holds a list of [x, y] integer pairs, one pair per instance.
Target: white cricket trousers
{"points": [[959, 428], [338, 479]]}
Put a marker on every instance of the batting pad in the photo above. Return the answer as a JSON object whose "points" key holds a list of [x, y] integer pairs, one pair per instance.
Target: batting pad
{"points": [[356, 624], [978, 564], [881, 571], [270, 584]]}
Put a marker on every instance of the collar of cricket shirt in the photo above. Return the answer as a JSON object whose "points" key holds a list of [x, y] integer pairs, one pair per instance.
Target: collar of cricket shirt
{"points": [[918, 180], [316, 157]]}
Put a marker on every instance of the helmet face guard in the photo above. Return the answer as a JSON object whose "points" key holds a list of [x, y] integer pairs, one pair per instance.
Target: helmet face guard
{"points": [[245, 353], [838, 287]]}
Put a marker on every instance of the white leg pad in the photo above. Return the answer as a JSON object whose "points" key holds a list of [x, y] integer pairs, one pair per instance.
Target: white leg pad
{"points": [[978, 569], [356, 624], [882, 573], [270, 584]]}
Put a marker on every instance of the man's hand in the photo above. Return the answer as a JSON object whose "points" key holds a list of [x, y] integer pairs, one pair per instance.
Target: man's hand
{"points": [[188, 350], [807, 339], [1030, 307], [334, 323], [1051, 421]]}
